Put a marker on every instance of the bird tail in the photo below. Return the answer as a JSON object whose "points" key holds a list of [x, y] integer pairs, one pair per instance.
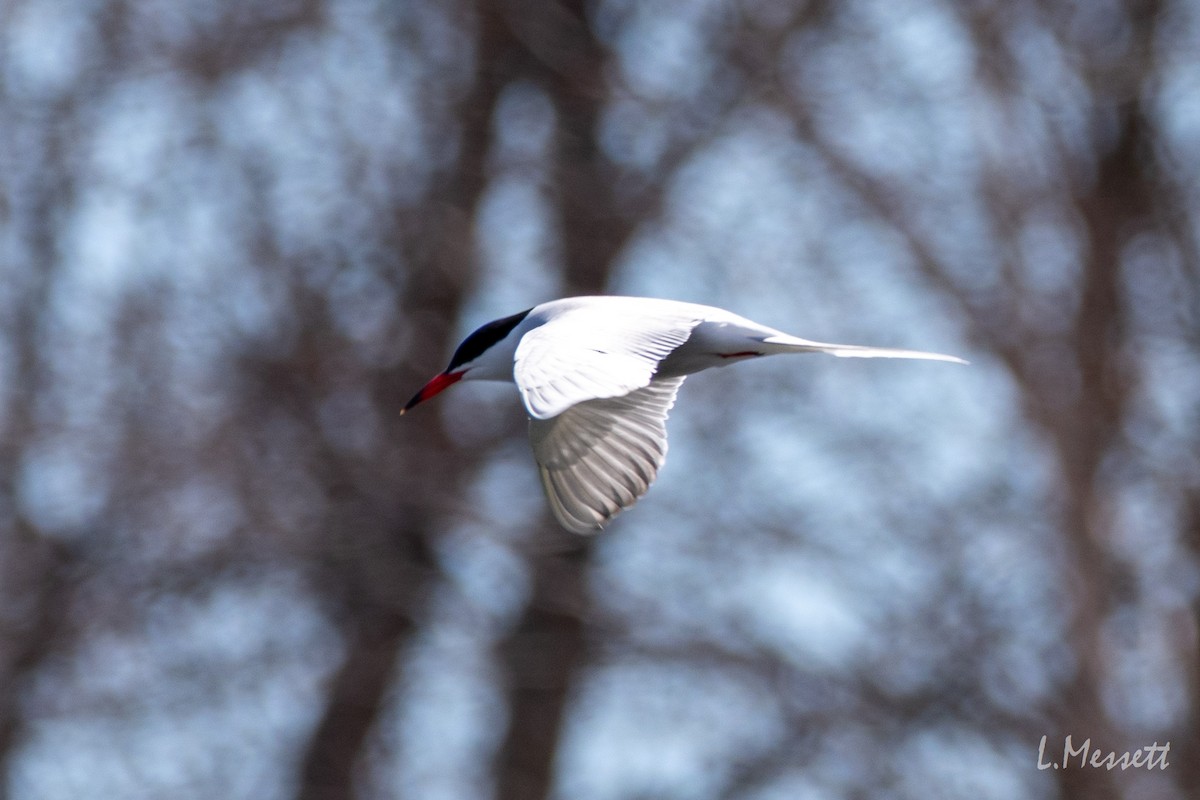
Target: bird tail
{"points": [[793, 344]]}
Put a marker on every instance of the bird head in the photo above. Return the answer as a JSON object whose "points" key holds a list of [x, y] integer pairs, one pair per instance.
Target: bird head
{"points": [[487, 354]]}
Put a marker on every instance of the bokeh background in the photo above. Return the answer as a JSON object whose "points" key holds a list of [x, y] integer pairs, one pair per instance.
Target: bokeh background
{"points": [[235, 237]]}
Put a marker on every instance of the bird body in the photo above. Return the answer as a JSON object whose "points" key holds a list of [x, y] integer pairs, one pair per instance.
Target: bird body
{"points": [[598, 376]]}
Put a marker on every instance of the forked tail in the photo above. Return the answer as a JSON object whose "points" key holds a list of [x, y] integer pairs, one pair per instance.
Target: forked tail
{"points": [[793, 344]]}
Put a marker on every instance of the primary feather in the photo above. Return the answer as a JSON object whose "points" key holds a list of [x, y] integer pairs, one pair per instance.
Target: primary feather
{"points": [[598, 457]]}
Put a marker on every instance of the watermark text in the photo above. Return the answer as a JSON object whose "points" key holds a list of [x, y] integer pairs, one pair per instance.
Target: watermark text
{"points": [[1151, 756]]}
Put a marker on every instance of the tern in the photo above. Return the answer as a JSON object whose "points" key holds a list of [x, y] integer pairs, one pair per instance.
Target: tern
{"points": [[598, 376]]}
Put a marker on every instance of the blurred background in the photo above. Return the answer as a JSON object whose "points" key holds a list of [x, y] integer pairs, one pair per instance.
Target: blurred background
{"points": [[236, 237]]}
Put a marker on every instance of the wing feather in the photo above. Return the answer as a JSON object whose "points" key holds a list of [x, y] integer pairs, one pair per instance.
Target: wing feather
{"points": [[599, 456], [586, 354]]}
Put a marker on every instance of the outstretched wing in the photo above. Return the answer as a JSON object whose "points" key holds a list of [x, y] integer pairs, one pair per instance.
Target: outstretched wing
{"points": [[590, 354], [598, 457]]}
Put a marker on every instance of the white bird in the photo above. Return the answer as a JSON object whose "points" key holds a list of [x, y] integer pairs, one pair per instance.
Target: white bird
{"points": [[598, 376]]}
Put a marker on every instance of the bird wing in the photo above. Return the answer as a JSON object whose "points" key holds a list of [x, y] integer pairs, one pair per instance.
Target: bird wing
{"points": [[598, 457], [592, 354]]}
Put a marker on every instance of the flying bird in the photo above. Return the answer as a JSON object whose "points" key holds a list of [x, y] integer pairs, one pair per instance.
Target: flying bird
{"points": [[598, 376]]}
